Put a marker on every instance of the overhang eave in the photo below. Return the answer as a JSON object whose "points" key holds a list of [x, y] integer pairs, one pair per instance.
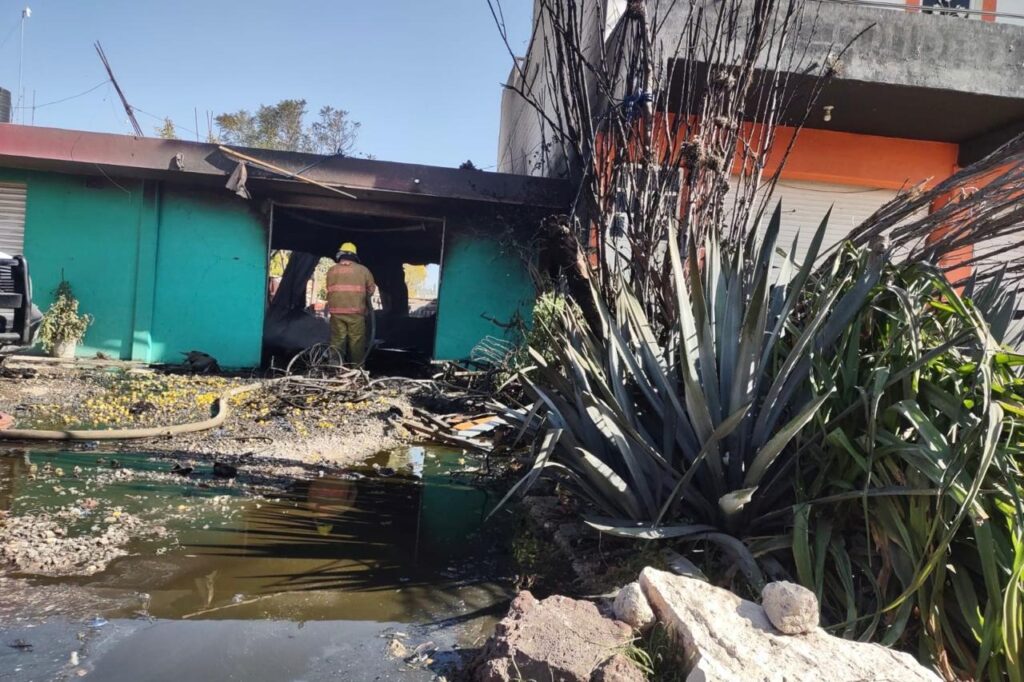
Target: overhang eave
{"points": [[72, 151]]}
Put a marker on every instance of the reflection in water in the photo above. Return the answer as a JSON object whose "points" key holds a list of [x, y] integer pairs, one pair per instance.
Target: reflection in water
{"points": [[13, 471], [359, 546]]}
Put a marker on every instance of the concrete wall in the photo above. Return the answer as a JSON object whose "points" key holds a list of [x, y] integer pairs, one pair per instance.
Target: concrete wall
{"points": [[923, 50], [162, 270], [211, 278], [899, 48], [527, 145], [481, 281]]}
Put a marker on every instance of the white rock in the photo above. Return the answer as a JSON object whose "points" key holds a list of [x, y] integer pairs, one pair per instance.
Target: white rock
{"points": [[724, 638], [631, 607], [792, 608]]}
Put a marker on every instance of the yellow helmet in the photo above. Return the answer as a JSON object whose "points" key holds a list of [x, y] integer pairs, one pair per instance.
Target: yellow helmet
{"points": [[348, 247]]}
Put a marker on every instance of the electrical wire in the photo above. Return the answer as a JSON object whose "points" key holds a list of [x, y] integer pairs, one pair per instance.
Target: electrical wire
{"points": [[10, 33], [65, 99], [868, 190], [164, 118]]}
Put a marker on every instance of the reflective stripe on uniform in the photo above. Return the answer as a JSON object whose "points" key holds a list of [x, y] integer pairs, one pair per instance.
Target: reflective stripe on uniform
{"points": [[348, 287]]}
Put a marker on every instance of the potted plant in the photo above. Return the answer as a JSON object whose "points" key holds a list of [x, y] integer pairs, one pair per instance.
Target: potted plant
{"points": [[62, 328]]}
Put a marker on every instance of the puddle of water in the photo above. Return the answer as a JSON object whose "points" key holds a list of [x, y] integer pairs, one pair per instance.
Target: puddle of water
{"points": [[397, 542]]}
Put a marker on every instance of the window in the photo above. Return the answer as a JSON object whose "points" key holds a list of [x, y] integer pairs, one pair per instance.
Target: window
{"points": [[12, 218], [949, 8]]}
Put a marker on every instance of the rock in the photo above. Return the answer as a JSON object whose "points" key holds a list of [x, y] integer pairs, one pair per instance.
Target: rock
{"points": [[792, 608], [396, 649], [558, 639], [723, 637], [618, 668], [631, 607]]}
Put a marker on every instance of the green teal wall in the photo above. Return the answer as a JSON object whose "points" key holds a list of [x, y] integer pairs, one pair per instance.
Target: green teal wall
{"points": [[210, 279], [88, 232], [480, 281], [161, 269]]}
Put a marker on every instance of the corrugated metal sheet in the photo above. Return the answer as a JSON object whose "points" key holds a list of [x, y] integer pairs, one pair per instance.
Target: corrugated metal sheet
{"points": [[12, 218], [804, 204]]}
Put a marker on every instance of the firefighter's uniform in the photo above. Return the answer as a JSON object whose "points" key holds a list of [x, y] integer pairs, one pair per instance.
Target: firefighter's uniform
{"points": [[349, 287]]}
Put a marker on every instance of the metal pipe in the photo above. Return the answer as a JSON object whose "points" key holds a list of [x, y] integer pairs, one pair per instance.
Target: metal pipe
{"points": [[281, 171]]}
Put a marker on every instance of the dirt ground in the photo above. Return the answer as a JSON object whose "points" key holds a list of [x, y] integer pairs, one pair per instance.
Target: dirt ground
{"points": [[328, 431]]}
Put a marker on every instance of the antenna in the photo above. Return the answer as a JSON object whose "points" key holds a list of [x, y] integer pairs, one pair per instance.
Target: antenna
{"points": [[25, 14], [127, 107]]}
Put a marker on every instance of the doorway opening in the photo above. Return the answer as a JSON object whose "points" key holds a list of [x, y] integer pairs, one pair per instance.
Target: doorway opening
{"points": [[403, 254]]}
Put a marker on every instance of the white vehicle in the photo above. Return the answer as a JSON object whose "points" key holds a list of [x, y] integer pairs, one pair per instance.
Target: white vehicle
{"points": [[19, 318]]}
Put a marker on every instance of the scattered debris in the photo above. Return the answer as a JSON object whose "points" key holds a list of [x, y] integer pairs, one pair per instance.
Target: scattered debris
{"points": [[396, 649], [142, 407], [442, 432], [221, 470], [40, 543], [200, 363], [386, 472]]}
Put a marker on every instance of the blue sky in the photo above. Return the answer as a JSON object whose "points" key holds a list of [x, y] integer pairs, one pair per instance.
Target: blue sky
{"points": [[422, 76]]}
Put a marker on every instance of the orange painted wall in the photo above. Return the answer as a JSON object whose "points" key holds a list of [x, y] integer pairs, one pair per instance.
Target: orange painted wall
{"points": [[864, 160], [849, 158]]}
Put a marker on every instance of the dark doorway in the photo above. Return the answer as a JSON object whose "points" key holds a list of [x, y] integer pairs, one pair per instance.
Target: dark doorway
{"points": [[396, 250]]}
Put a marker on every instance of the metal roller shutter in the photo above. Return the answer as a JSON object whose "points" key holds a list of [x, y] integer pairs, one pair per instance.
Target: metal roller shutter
{"points": [[12, 218], [994, 254], [804, 204]]}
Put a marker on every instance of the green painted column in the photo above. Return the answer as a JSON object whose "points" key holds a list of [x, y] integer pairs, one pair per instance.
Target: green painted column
{"points": [[482, 285], [145, 272]]}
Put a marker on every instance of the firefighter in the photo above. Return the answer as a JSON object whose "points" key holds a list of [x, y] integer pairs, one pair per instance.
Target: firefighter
{"points": [[349, 287]]}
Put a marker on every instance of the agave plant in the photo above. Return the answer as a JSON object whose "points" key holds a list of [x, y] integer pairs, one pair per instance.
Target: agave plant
{"points": [[855, 427], [680, 426]]}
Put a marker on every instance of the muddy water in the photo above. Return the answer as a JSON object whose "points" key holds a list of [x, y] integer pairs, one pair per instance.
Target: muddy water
{"points": [[309, 585]]}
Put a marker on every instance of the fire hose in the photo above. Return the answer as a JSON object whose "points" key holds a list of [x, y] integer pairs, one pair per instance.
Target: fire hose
{"points": [[223, 409]]}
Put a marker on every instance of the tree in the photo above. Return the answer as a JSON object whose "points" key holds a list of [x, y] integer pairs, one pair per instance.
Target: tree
{"points": [[167, 130], [334, 133], [283, 126]]}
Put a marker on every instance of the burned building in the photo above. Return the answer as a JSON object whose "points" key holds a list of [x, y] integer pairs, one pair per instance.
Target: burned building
{"points": [[168, 243]]}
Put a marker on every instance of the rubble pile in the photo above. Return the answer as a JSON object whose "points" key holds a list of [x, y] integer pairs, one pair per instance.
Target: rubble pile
{"points": [[42, 543], [715, 636]]}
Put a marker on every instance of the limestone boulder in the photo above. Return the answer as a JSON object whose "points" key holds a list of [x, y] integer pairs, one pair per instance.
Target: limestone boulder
{"points": [[557, 639], [723, 638], [792, 608], [631, 607]]}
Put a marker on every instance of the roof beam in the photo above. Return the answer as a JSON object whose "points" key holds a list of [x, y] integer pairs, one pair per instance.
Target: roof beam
{"points": [[369, 208]]}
